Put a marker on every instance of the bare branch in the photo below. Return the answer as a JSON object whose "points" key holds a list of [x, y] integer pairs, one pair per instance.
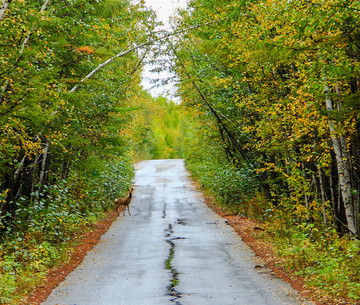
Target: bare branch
{"points": [[137, 46], [104, 64]]}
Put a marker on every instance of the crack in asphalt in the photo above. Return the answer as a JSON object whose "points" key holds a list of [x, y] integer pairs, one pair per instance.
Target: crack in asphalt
{"points": [[164, 210], [181, 221], [171, 288]]}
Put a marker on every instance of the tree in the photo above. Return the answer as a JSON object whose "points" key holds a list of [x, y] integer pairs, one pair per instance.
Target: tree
{"points": [[49, 132], [279, 78]]}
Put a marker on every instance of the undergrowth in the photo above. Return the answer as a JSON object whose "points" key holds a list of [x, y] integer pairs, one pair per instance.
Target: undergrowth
{"points": [[232, 187], [326, 260], [43, 231]]}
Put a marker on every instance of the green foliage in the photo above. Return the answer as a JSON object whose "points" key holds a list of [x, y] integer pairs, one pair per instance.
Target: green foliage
{"points": [[37, 239], [47, 131], [327, 261], [64, 155], [116, 179], [260, 77], [268, 88], [159, 130], [274, 84], [233, 188], [232, 185]]}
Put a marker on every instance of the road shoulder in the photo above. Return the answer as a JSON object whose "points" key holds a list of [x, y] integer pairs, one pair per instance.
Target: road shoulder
{"points": [[84, 244]]}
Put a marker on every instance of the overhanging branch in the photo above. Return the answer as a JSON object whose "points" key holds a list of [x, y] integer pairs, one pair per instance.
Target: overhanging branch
{"points": [[137, 46]]}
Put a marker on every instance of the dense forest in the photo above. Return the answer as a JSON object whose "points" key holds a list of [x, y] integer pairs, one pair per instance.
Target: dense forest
{"points": [[69, 89], [276, 85], [268, 124], [281, 79]]}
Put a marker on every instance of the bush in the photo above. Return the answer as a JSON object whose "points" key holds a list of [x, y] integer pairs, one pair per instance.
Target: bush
{"points": [[326, 260], [38, 236], [232, 187]]}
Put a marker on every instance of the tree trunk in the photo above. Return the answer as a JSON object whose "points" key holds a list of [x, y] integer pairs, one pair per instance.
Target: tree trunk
{"points": [[42, 178], [4, 6], [323, 195], [340, 149], [307, 203], [64, 170], [19, 168]]}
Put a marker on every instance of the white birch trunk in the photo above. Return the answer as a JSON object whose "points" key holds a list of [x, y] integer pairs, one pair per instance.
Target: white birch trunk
{"points": [[4, 6], [104, 64], [340, 147], [17, 172], [307, 203], [43, 163]]}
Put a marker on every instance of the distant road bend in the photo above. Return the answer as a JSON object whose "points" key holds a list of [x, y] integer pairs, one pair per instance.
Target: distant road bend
{"points": [[172, 250]]}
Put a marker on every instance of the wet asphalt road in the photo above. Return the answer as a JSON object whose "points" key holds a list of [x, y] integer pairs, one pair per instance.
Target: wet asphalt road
{"points": [[172, 250]]}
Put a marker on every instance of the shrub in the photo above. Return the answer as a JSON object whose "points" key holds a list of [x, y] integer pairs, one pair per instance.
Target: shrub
{"points": [[38, 237]]}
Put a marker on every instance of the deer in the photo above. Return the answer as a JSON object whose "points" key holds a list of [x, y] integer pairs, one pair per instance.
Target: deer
{"points": [[123, 201]]}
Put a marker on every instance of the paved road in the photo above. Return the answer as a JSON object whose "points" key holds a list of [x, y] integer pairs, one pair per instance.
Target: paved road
{"points": [[172, 250]]}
